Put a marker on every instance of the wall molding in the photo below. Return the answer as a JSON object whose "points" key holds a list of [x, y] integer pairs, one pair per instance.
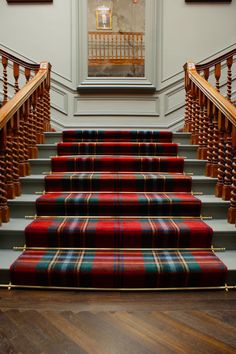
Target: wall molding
{"points": [[121, 106], [168, 108], [61, 97], [173, 125]]}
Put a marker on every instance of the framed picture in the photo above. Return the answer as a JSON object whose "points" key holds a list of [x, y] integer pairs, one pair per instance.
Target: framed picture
{"points": [[27, 1], [209, 1], [104, 19]]}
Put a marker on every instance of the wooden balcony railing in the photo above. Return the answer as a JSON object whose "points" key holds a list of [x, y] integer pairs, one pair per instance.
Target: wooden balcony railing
{"points": [[211, 118], [23, 120], [115, 48]]}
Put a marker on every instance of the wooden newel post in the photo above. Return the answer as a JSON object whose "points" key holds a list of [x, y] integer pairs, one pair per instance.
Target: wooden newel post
{"points": [[188, 102]]}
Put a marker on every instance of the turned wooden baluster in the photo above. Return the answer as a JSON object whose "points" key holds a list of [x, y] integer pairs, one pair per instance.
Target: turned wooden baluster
{"points": [[203, 127], [39, 113], [32, 121], [27, 74], [229, 78], [47, 107], [5, 80], [15, 154], [221, 156], [4, 209], [201, 100], [16, 73], [209, 137], [187, 112], [215, 143], [26, 137], [227, 186], [196, 118], [30, 128], [24, 167], [187, 119], [193, 111], [9, 161], [202, 152], [232, 209], [218, 75]]}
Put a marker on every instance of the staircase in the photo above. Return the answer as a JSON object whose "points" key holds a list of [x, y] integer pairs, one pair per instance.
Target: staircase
{"points": [[120, 226]]}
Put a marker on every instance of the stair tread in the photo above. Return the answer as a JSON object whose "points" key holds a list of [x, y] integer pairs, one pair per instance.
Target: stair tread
{"points": [[47, 159], [54, 145], [207, 198], [138, 205], [7, 257], [218, 225], [42, 176], [228, 258], [124, 269]]}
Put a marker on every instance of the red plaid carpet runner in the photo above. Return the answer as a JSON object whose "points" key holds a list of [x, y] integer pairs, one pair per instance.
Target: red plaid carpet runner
{"points": [[116, 202]]}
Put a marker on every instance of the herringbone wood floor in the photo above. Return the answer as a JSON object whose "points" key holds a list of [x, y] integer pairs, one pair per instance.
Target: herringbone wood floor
{"points": [[73, 322]]}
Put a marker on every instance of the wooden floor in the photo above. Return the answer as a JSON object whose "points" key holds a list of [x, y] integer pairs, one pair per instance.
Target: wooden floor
{"points": [[107, 323]]}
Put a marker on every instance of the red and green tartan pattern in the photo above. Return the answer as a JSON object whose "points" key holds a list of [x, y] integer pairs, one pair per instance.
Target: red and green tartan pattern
{"points": [[117, 135], [117, 148], [118, 233], [119, 269], [110, 195], [117, 182], [116, 164], [115, 204]]}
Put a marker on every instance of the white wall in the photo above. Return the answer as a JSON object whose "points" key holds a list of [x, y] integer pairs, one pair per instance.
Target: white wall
{"points": [[50, 31], [195, 31]]}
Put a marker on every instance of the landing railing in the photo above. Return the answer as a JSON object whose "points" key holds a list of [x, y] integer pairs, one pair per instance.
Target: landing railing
{"points": [[115, 48], [211, 118], [24, 117]]}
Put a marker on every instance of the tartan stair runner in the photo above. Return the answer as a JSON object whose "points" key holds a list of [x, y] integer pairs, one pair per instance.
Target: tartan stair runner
{"points": [[117, 182], [113, 201]]}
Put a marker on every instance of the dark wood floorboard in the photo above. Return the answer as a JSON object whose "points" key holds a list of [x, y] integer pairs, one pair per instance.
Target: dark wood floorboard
{"points": [[48, 322]]}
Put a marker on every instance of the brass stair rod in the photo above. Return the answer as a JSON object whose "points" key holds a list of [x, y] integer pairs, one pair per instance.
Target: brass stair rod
{"points": [[15, 286], [25, 248], [116, 217]]}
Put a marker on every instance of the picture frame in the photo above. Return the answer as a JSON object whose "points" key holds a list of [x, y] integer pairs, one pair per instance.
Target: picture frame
{"points": [[28, 1], [210, 1], [104, 19]]}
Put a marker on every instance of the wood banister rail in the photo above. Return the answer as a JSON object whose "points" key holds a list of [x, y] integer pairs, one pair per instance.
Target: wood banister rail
{"points": [[220, 59], [211, 118], [23, 121], [30, 66], [22, 71]]}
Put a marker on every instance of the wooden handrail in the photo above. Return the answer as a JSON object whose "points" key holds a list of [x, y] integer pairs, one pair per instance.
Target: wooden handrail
{"points": [[211, 118], [219, 101], [213, 62], [13, 105], [25, 64], [23, 120]]}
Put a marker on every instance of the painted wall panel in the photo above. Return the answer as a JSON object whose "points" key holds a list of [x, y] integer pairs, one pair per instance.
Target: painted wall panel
{"points": [[51, 32]]}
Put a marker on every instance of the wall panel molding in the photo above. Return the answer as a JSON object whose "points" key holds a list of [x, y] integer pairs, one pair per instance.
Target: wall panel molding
{"points": [[138, 106], [59, 100], [174, 99]]}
